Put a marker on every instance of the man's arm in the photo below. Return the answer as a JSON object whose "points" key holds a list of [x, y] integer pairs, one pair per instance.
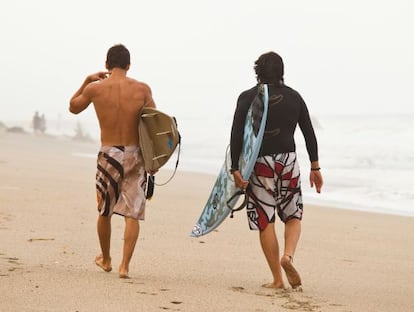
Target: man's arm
{"points": [[82, 98], [149, 101]]}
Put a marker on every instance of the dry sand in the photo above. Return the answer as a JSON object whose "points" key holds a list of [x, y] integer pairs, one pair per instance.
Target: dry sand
{"points": [[349, 261]]}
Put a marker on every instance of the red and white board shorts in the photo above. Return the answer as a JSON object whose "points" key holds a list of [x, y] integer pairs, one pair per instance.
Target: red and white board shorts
{"points": [[274, 186]]}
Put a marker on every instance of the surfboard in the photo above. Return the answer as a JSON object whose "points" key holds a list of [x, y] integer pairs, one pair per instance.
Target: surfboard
{"points": [[158, 137], [223, 196]]}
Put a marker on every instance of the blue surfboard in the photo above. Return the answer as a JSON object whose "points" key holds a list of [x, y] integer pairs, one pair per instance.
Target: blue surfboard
{"points": [[223, 196]]}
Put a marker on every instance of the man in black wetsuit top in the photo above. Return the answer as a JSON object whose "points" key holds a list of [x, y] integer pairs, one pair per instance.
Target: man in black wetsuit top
{"points": [[274, 186]]}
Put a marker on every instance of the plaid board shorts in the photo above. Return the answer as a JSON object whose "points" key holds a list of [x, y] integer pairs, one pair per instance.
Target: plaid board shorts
{"points": [[274, 186]]}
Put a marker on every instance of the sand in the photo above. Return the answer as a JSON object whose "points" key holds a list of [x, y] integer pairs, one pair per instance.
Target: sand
{"points": [[348, 260]]}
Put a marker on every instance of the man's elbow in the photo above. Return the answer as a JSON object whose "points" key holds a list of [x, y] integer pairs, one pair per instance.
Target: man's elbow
{"points": [[73, 109]]}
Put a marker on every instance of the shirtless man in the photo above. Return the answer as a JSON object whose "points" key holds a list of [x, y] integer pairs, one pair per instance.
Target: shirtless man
{"points": [[120, 178]]}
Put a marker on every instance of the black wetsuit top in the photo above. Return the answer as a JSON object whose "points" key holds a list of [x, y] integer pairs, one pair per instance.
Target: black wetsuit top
{"points": [[286, 110]]}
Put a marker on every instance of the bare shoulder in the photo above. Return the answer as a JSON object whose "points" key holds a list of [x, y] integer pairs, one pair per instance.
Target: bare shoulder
{"points": [[97, 85], [139, 84], [93, 88], [144, 91]]}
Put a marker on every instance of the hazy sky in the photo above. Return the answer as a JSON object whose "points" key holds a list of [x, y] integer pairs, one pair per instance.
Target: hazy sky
{"points": [[344, 57]]}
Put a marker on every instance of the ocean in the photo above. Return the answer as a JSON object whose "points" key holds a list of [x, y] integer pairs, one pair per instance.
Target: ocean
{"points": [[367, 161]]}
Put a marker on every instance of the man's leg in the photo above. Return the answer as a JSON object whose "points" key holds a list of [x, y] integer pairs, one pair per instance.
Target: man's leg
{"points": [[104, 234], [292, 234], [130, 239], [270, 248]]}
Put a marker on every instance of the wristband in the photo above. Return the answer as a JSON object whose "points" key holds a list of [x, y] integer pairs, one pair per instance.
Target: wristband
{"points": [[315, 169]]}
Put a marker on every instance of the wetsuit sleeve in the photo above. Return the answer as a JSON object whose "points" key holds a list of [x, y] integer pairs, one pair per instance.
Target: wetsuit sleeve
{"points": [[237, 131], [306, 127]]}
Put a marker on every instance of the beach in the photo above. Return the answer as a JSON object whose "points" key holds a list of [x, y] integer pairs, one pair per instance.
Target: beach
{"points": [[348, 260]]}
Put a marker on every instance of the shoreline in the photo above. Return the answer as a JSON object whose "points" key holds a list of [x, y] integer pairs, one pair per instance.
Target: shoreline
{"points": [[92, 146], [321, 202]]}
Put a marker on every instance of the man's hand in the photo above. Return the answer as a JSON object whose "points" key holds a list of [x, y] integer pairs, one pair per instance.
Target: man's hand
{"points": [[97, 76], [238, 180], [315, 178], [80, 100]]}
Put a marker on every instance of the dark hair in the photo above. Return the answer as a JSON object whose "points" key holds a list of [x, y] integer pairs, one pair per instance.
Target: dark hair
{"points": [[269, 68], [118, 56]]}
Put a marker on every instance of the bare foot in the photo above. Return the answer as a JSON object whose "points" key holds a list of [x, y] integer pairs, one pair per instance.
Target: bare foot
{"points": [[291, 273], [274, 286], [123, 273], [104, 265]]}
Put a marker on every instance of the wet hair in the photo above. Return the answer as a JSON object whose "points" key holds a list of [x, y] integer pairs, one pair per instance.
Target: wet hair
{"points": [[269, 68], [118, 56]]}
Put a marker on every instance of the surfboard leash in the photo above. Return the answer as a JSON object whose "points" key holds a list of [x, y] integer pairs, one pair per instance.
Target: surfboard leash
{"points": [[151, 178], [176, 163], [243, 204]]}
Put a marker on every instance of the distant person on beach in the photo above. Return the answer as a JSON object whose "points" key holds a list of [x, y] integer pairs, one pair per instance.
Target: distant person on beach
{"points": [[121, 178], [36, 122], [42, 124], [275, 186]]}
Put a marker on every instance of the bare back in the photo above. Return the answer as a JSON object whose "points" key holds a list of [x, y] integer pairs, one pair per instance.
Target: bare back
{"points": [[118, 101]]}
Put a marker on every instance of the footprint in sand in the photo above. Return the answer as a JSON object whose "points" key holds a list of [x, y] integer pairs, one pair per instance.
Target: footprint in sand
{"points": [[270, 293], [13, 264], [303, 303], [173, 302], [237, 288], [13, 260]]}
